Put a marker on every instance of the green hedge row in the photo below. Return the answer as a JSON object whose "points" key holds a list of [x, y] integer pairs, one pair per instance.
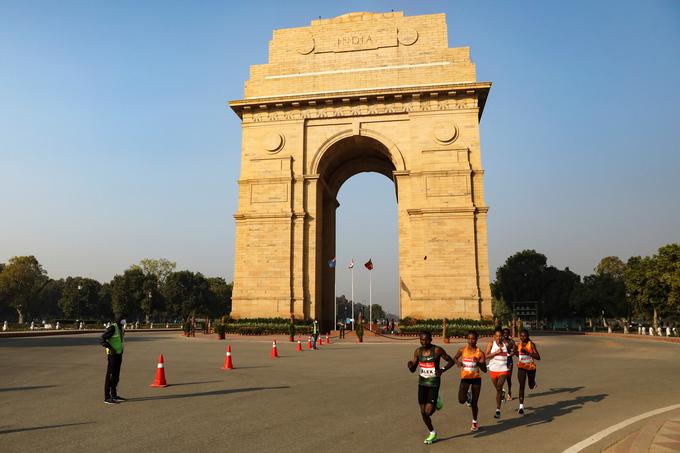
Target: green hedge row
{"points": [[265, 329], [457, 327], [451, 330]]}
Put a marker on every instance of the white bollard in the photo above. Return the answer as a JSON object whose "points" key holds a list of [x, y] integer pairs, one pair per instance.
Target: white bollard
{"points": [[658, 331], [651, 330], [4, 326], [58, 325], [152, 325], [668, 331], [167, 325], [32, 325]]}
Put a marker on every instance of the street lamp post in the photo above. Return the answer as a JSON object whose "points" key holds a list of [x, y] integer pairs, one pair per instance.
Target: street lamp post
{"points": [[79, 288]]}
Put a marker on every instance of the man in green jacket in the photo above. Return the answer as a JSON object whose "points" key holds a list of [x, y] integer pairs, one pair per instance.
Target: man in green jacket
{"points": [[112, 340]]}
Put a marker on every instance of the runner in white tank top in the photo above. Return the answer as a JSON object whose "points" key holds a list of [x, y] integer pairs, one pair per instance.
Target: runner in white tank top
{"points": [[497, 354]]}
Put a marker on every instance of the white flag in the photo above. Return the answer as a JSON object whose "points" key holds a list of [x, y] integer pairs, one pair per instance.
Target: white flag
{"points": [[351, 265]]}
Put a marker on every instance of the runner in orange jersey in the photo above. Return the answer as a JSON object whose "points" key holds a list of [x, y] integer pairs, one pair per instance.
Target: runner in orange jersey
{"points": [[470, 359], [526, 366]]}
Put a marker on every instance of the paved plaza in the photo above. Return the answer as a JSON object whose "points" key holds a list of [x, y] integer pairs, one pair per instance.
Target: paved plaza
{"points": [[344, 397]]}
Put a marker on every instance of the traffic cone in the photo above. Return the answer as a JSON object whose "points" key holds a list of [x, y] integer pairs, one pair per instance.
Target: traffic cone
{"points": [[309, 342], [327, 340], [160, 374], [227, 362], [275, 353], [320, 341], [299, 346]]}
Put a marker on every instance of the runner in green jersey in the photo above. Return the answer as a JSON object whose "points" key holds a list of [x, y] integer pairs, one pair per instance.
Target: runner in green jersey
{"points": [[427, 358]]}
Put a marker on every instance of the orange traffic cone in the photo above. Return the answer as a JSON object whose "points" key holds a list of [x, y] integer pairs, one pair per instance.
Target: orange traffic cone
{"points": [[227, 362], [160, 374], [327, 340], [320, 341], [309, 342], [275, 353], [299, 346]]}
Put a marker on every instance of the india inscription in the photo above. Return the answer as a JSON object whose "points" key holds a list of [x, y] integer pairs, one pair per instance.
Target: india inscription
{"points": [[321, 111]]}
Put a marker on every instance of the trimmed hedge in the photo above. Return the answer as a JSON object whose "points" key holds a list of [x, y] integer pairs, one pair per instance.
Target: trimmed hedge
{"points": [[266, 326], [454, 327]]}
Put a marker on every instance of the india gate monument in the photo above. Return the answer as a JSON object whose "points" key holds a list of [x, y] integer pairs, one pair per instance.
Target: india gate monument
{"points": [[362, 92]]}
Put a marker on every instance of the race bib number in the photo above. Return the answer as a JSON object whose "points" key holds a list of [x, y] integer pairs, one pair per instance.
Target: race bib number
{"points": [[470, 365], [427, 370], [524, 358]]}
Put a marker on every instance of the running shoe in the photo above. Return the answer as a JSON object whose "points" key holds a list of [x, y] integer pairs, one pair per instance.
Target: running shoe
{"points": [[110, 401], [118, 399], [520, 411], [468, 402], [440, 403], [431, 438], [474, 428], [497, 414]]}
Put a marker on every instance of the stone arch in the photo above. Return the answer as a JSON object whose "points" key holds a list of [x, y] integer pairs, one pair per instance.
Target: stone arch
{"points": [[331, 103], [391, 148]]}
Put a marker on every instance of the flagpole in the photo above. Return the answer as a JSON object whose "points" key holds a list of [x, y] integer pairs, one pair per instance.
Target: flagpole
{"points": [[370, 299], [352, 297]]}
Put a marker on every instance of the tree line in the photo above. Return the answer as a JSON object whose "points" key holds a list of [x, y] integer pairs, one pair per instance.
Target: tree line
{"points": [[645, 288], [150, 290]]}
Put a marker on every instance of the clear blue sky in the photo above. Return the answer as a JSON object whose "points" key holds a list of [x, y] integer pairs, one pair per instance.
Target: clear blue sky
{"points": [[116, 143]]}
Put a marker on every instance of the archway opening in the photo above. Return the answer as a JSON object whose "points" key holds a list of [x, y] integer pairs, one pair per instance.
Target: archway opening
{"points": [[340, 162]]}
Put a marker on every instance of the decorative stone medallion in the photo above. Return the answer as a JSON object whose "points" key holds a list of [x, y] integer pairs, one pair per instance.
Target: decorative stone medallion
{"points": [[274, 142], [445, 133], [407, 36], [307, 45]]}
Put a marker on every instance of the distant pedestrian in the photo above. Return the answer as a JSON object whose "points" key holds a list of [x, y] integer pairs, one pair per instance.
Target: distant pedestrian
{"points": [[341, 326], [112, 340], [315, 333]]}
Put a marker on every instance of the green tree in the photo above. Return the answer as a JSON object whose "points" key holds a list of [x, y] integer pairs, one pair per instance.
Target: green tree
{"points": [[644, 286], [47, 304], [611, 265], [127, 292], [520, 278], [377, 312], [153, 300], [667, 264], [600, 297], [159, 268], [80, 298], [105, 307], [502, 313], [187, 293], [221, 294], [557, 286], [21, 282]]}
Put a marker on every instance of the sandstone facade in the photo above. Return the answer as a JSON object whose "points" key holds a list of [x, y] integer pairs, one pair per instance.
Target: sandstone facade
{"points": [[361, 92]]}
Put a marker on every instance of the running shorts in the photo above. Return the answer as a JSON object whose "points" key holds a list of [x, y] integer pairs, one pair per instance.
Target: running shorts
{"points": [[427, 395], [497, 374], [472, 381]]}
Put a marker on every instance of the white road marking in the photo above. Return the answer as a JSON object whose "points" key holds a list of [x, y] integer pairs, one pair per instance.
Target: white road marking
{"points": [[607, 431]]}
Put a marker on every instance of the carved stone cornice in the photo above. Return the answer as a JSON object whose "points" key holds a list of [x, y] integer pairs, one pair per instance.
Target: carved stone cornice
{"points": [[453, 96]]}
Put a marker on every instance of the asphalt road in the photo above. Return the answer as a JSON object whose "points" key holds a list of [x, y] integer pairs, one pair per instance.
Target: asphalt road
{"points": [[345, 397]]}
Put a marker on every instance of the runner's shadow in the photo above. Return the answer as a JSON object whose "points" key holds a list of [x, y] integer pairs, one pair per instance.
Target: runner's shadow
{"points": [[211, 393], [30, 387], [35, 428], [541, 415], [553, 391], [249, 367], [192, 383]]}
